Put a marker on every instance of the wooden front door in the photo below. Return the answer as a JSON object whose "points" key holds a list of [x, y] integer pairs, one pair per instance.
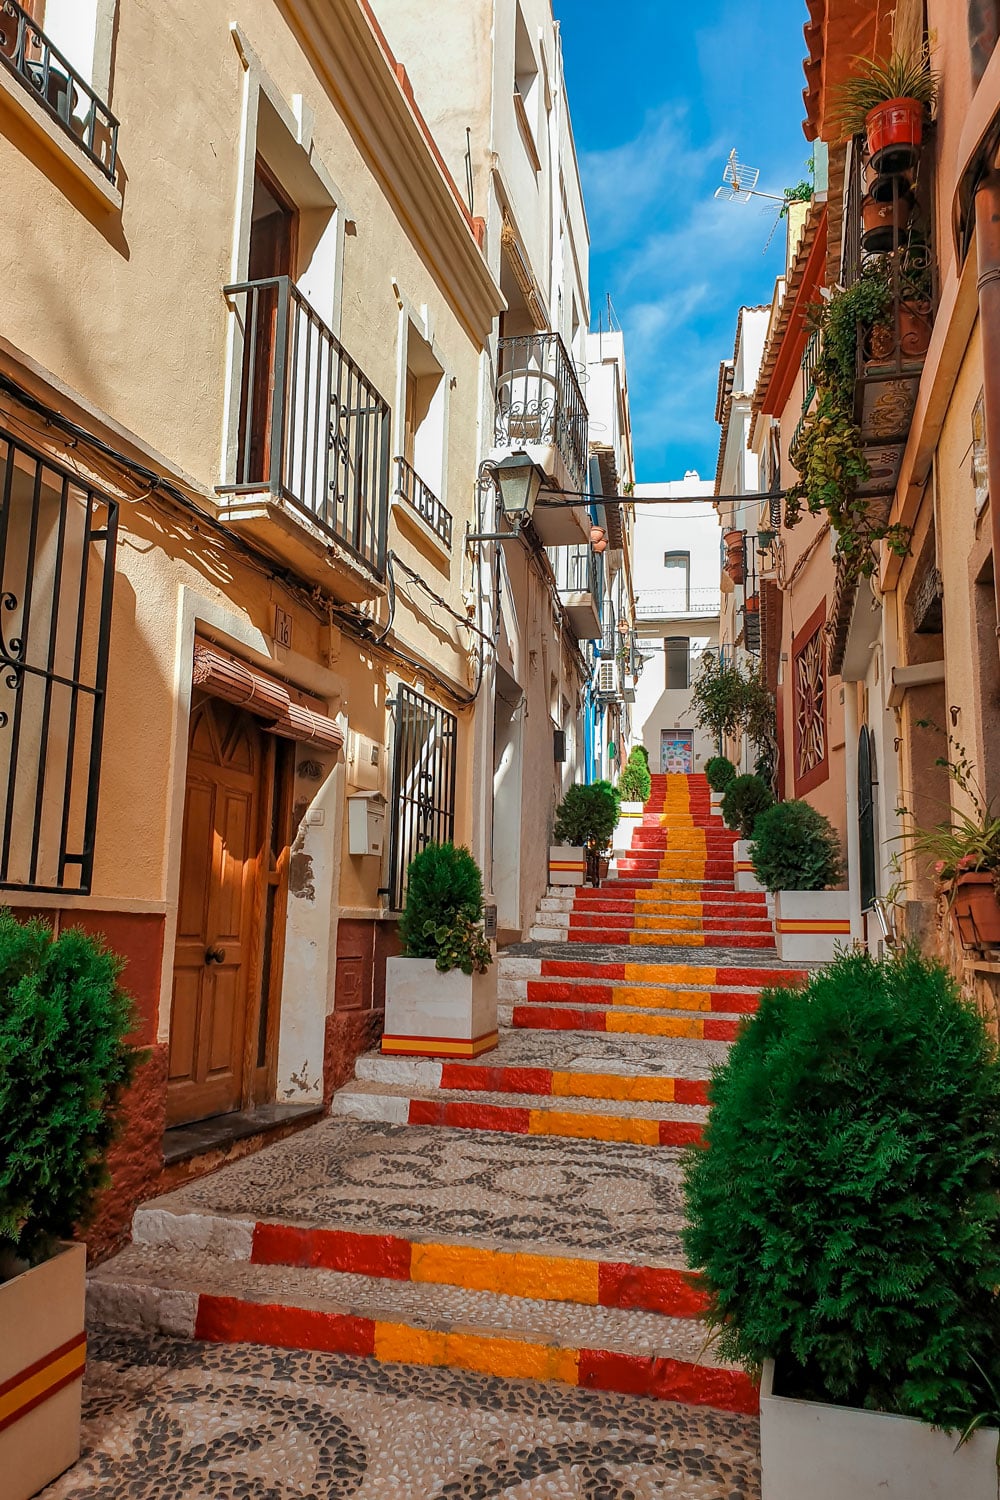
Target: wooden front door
{"points": [[273, 236], [219, 962]]}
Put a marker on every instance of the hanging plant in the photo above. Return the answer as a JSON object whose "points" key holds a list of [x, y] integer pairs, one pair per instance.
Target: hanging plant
{"points": [[828, 453]]}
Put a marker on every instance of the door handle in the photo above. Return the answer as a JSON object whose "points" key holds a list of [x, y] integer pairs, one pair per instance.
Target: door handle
{"points": [[215, 955]]}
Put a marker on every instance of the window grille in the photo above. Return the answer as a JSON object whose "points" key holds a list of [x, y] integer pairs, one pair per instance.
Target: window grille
{"points": [[57, 556], [423, 784]]}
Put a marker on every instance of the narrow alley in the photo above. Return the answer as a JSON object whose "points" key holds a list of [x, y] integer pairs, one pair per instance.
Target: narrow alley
{"points": [[491, 1223]]}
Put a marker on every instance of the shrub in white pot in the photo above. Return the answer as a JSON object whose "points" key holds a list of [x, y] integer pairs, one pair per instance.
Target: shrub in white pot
{"points": [[845, 1212], [584, 828], [795, 853], [64, 1065], [441, 995], [719, 772]]}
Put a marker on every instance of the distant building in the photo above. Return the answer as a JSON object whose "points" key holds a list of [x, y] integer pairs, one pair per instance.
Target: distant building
{"points": [[676, 576]]}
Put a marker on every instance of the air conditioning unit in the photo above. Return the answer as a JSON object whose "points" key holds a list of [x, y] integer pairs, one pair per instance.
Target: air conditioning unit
{"points": [[607, 679]]}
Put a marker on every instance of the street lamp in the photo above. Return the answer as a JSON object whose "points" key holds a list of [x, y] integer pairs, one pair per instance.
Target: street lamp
{"points": [[518, 482]]}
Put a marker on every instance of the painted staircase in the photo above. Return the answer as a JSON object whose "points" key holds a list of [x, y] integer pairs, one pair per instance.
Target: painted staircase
{"points": [[517, 1215]]}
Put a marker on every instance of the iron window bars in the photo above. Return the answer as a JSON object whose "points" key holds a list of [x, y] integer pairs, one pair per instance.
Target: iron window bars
{"points": [[424, 774], [57, 86], [314, 430], [57, 561], [421, 498], [539, 400]]}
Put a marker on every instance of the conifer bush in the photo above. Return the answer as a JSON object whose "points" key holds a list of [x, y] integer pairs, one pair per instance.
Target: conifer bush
{"points": [[719, 772], [587, 816], [635, 783], [845, 1208], [743, 801], [64, 1064], [795, 848], [444, 910]]}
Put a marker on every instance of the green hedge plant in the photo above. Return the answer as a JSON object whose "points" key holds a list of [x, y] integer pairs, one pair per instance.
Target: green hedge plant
{"points": [[444, 910], [719, 772], [635, 782], [795, 848], [845, 1208], [745, 798], [64, 1064], [587, 816]]}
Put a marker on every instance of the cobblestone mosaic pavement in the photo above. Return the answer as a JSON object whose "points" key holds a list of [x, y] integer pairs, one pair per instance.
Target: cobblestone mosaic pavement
{"points": [[165, 1419]]}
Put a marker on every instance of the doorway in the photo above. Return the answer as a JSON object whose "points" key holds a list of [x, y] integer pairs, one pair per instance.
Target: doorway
{"points": [[676, 751], [231, 916], [273, 240]]}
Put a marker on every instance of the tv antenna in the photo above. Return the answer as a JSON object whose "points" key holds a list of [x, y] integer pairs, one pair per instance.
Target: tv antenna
{"points": [[739, 185]]}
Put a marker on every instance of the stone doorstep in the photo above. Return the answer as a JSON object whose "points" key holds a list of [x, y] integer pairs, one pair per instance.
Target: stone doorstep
{"points": [[199, 1296]]}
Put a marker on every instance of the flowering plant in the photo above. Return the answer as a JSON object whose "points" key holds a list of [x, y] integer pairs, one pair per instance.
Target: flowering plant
{"points": [[969, 842]]}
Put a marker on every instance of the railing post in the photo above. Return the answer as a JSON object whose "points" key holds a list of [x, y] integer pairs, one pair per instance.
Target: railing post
{"points": [[279, 389]]}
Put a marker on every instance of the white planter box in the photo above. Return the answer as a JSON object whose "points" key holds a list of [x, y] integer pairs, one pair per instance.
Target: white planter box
{"points": [[430, 1014], [716, 799], [811, 925], [42, 1356], [629, 818], [839, 1453], [567, 865], [743, 873]]}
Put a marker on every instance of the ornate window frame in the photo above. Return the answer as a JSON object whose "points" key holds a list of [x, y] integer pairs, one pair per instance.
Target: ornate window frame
{"points": [[810, 697]]}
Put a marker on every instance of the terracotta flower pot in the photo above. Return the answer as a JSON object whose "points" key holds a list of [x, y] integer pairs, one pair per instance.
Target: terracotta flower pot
{"points": [[914, 328], [975, 910], [884, 222], [895, 130], [753, 604]]}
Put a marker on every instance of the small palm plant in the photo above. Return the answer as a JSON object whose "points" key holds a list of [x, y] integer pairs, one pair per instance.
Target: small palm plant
{"points": [[875, 81]]}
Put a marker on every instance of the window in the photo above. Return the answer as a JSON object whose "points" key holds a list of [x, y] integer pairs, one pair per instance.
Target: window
{"points": [[420, 456], [423, 784], [984, 30], [678, 655], [57, 558], [809, 698], [527, 89], [677, 566]]}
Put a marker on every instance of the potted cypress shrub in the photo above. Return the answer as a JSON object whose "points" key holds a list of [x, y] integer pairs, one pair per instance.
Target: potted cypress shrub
{"points": [[795, 855], [441, 994], [743, 802], [64, 1065], [634, 787], [584, 829], [845, 1213], [719, 772]]}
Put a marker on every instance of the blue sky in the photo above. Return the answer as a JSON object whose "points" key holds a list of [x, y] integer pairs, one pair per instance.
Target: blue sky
{"points": [[660, 92]]}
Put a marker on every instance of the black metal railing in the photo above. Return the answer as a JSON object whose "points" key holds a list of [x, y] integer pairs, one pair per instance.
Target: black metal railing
{"points": [[539, 400], [424, 778], [57, 567], [421, 498], [56, 85], [579, 570], [314, 430]]}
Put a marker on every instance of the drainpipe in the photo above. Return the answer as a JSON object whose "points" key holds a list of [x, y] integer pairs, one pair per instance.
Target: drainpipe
{"points": [[851, 732], [988, 255]]}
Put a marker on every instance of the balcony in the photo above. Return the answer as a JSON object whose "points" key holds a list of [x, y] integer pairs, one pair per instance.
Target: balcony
{"points": [[56, 86], [677, 604], [580, 581], [540, 409], [311, 480], [423, 502]]}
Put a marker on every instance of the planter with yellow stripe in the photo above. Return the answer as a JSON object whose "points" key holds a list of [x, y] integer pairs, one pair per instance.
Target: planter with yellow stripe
{"points": [[42, 1356], [567, 865], [811, 925]]}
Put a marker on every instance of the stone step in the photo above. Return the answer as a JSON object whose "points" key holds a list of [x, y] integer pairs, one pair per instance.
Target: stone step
{"points": [[677, 1023], [640, 997], [648, 938], [198, 1296], [700, 973], [640, 1122], [642, 920], [603, 1079]]}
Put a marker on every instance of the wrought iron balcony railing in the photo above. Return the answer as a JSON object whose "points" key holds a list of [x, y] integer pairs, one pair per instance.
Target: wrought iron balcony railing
{"points": [[421, 498], [55, 84], [314, 431], [539, 400], [663, 603], [579, 570]]}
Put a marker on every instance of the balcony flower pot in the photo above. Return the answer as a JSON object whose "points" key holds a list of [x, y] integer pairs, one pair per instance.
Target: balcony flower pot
{"points": [[884, 222], [831, 1452], [894, 130], [914, 325], [567, 864], [430, 1014], [765, 541], [975, 910], [811, 925], [733, 541], [752, 605], [41, 1371]]}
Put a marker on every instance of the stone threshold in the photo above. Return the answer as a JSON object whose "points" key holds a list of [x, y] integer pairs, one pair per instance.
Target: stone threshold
{"points": [[183, 1142]]}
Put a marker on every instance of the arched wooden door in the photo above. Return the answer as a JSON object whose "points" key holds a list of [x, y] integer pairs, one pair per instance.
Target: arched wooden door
{"points": [[218, 962]]}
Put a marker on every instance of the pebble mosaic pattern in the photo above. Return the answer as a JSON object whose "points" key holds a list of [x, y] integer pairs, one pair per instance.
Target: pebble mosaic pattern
{"points": [[164, 1419]]}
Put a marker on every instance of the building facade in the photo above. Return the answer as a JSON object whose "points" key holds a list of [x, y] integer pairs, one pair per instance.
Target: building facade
{"points": [[253, 661]]}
